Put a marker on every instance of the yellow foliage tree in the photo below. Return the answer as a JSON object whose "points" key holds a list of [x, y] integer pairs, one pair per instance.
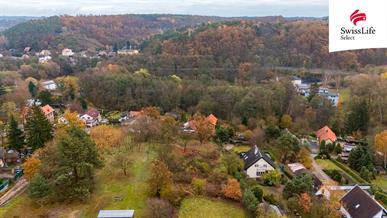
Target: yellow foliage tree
{"points": [[71, 119], [286, 121], [381, 145], [31, 166], [106, 136]]}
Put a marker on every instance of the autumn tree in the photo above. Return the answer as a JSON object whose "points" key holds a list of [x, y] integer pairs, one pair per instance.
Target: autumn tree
{"points": [[68, 86], [305, 158], [31, 167], [286, 121], [381, 145], [15, 135], [71, 119], [232, 190], [38, 128], [106, 137], [169, 129], [121, 159], [160, 178], [203, 128]]}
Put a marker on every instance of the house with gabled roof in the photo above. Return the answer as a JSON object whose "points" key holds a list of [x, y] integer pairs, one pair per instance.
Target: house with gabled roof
{"points": [[189, 126], [326, 134], [48, 112], [91, 118], [357, 203], [256, 163]]}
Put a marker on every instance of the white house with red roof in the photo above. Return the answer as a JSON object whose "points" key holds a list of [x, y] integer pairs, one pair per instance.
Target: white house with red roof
{"points": [[326, 134], [48, 112], [91, 118]]}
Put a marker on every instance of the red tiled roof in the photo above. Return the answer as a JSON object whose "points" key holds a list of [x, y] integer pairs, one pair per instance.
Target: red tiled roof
{"points": [[212, 119], [47, 109], [325, 134], [92, 112]]}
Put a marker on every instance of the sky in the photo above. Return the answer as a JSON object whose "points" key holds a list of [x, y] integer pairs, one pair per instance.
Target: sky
{"points": [[227, 8]]}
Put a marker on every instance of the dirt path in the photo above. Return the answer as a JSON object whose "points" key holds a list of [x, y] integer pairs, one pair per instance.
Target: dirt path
{"points": [[18, 188]]}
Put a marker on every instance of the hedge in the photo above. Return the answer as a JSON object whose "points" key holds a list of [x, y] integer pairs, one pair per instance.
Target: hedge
{"points": [[350, 172], [381, 197]]}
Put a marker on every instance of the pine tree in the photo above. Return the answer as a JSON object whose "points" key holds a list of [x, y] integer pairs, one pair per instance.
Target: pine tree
{"points": [[32, 89], [15, 135], [38, 129], [358, 117]]}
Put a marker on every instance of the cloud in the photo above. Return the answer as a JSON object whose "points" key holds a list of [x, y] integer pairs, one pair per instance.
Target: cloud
{"points": [[200, 7]]}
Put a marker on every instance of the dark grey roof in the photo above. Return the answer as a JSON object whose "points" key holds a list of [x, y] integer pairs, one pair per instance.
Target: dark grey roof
{"points": [[359, 204], [254, 155]]}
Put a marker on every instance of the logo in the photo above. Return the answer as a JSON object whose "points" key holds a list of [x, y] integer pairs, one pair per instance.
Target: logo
{"points": [[356, 17]]}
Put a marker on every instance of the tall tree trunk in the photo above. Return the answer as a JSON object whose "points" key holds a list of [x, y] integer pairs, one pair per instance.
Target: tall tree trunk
{"points": [[75, 173]]}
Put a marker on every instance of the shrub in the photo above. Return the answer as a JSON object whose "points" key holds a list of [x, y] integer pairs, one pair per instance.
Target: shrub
{"points": [[232, 190], [270, 199], [334, 174], [250, 202], [365, 174], [157, 208], [182, 177], [38, 187], [258, 192], [272, 178], [213, 190], [198, 186]]}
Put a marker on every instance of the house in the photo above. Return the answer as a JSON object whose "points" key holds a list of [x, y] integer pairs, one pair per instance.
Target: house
{"points": [[27, 49], [128, 52], [333, 97], [44, 53], [347, 148], [44, 60], [297, 168], [33, 102], [48, 112], [49, 85], [10, 156], [91, 118], [67, 52], [326, 190], [189, 126], [116, 214], [257, 163], [212, 119], [326, 134], [357, 203], [296, 81]]}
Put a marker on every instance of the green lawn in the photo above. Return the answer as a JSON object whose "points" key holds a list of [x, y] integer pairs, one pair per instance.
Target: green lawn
{"points": [[202, 207], [113, 191], [381, 181], [241, 148], [328, 165]]}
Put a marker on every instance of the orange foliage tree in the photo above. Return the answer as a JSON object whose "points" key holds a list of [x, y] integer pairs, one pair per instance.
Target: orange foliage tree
{"points": [[232, 190], [106, 136], [31, 166]]}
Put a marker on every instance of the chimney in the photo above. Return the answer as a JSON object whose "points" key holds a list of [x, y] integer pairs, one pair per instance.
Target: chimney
{"points": [[255, 149]]}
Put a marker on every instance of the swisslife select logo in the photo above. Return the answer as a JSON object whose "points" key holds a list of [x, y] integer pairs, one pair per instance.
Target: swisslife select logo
{"points": [[357, 24], [350, 33]]}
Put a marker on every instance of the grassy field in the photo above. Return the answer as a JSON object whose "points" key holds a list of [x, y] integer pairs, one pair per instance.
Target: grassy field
{"points": [[202, 207], [381, 181], [113, 191]]}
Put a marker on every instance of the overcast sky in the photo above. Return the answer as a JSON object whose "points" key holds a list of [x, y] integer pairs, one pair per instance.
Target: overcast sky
{"points": [[310, 8]]}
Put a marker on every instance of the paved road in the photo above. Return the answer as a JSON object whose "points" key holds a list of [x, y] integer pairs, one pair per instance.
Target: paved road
{"points": [[18, 188], [325, 179]]}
